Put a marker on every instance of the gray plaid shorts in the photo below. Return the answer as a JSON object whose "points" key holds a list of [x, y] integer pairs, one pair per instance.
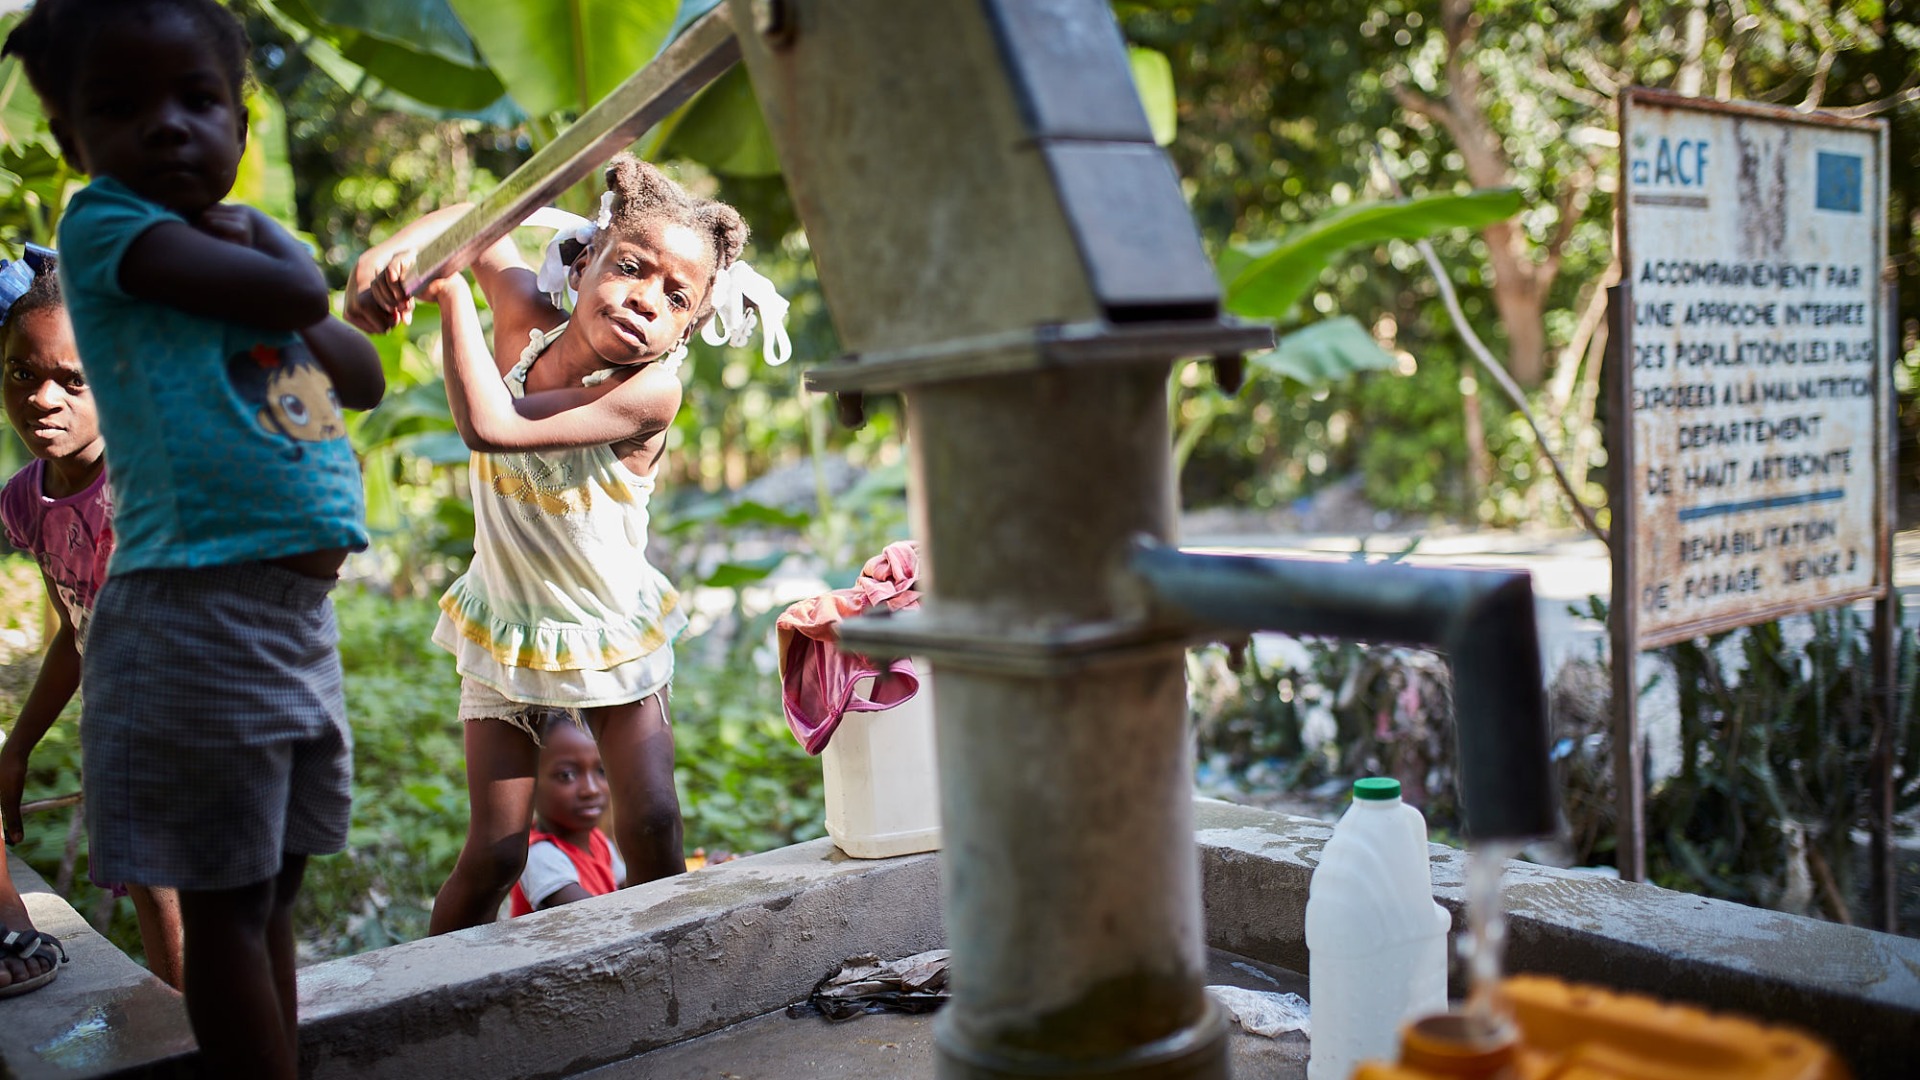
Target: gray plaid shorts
{"points": [[214, 734]]}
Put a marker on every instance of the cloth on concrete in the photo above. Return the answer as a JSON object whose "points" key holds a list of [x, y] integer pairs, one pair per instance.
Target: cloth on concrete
{"points": [[820, 683], [911, 984], [1264, 1012], [553, 864]]}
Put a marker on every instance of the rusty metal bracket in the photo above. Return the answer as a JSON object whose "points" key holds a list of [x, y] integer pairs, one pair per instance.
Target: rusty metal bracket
{"points": [[1054, 345]]}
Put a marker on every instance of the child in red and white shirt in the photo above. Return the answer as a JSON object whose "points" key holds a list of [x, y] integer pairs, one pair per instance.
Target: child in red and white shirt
{"points": [[568, 857]]}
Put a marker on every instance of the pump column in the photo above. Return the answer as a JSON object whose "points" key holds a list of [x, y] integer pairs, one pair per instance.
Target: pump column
{"points": [[1070, 876], [1000, 240]]}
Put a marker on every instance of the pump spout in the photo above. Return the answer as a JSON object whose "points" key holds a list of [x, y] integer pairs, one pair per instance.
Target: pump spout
{"points": [[1482, 620]]}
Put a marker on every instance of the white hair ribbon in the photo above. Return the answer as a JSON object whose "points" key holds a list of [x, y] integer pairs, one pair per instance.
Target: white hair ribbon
{"points": [[734, 289], [738, 290], [551, 277]]}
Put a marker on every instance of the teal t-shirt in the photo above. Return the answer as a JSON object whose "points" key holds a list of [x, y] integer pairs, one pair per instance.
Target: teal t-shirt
{"points": [[226, 442]]}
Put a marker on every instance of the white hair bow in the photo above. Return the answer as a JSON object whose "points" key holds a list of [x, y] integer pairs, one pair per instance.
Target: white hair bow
{"points": [[568, 227], [738, 290], [734, 288]]}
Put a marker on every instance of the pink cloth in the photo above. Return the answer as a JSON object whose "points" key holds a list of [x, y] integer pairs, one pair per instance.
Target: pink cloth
{"points": [[71, 538], [819, 683]]}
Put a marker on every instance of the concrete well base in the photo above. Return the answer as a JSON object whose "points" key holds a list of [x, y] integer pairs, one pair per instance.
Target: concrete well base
{"points": [[565, 991]]}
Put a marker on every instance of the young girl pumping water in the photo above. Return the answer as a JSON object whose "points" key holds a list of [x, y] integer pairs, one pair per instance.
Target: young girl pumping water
{"points": [[214, 744], [567, 417]]}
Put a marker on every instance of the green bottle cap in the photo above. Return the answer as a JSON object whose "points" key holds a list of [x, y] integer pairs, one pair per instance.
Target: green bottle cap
{"points": [[1376, 787]]}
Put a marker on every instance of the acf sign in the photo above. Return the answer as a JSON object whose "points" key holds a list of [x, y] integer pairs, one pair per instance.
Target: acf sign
{"points": [[1752, 410]]}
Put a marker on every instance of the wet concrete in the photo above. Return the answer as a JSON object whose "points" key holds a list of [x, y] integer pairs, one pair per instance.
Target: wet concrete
{"points": [[645, 974], [1857, 989], [883, 1046], [554, 993], [104, 1015]]}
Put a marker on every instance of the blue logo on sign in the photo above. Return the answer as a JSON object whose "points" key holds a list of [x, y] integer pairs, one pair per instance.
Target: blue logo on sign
{"points": [[1681, 163], [1838, 182]]}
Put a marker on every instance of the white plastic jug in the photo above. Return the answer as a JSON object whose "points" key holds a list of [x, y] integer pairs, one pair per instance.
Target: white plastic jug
{"points": [[882, 791], [1376, 941]]}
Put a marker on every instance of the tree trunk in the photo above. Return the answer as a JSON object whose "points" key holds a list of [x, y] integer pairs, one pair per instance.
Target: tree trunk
{"points": [[1520, 299], [1520, 282]]}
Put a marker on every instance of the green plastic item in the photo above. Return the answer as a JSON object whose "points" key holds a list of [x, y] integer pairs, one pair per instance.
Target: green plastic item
{"points": [[1376, 787]]}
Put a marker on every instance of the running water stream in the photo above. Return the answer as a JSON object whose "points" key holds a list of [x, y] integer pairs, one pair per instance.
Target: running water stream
{"points": [[1485, 946]]}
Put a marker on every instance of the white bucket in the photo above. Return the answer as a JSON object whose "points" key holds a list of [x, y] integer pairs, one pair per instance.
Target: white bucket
{"points": [[882, 789]]}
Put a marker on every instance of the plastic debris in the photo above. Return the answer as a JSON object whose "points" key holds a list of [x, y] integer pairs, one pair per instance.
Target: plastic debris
{"points": [[1264, 1012], [863, 984]]}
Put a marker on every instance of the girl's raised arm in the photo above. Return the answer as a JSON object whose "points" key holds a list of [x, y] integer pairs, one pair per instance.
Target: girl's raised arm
{"points": [[376, 303], [235, 266], [626, 408]]}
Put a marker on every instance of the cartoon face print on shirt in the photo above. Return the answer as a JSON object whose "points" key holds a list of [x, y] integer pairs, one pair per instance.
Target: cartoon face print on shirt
{"points": [[295, 397]]}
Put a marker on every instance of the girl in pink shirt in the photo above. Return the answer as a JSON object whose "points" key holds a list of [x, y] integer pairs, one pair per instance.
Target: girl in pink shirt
{"points": [[57, 509]]}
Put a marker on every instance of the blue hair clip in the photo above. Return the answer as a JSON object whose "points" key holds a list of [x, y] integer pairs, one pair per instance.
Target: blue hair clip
{"points": [[16, 277]]}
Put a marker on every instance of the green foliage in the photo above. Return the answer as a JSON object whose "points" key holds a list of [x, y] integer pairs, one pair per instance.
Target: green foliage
{"points": [[562, 56], [1413, 454], [1153, 78], [1265, 279], [409, 782], [1281, 106], [1775, 741], [418, 49], [721, 128], [745, 783], [35, 179], [265, 179], [1324, 352]]}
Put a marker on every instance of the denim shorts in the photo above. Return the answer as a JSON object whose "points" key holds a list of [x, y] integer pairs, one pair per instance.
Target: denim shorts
{"points": [[213, 737]]}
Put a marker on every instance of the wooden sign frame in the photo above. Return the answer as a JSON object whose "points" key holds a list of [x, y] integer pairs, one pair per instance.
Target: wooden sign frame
{"points": [[1628, 494]]}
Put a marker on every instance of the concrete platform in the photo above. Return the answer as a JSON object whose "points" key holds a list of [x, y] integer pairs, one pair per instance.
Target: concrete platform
{"points": [[651, 974], [886, 1045], [618, 977], [103, 1016]]}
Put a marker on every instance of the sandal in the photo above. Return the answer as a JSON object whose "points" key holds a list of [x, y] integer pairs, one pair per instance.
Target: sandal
{"points": [[24, 945]]}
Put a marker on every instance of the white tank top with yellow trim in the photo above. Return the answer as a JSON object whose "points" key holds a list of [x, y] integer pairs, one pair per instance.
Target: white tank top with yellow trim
{"points": [[560, 606]]}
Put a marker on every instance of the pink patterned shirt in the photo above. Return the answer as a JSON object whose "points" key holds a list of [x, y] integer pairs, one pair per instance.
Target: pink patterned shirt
{"points": [[70, 538]]}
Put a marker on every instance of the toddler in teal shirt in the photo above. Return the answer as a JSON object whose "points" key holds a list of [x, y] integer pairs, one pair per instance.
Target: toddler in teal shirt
{"points": [[216, 756]]}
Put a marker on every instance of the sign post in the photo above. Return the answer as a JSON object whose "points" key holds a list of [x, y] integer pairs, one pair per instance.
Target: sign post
{"points": [[1752, 379]]}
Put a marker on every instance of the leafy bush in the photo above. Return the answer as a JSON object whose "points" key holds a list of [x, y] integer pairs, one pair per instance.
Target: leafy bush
{"points": [[409, 783], [1323, 710], [744, 784], [1775, 739]]}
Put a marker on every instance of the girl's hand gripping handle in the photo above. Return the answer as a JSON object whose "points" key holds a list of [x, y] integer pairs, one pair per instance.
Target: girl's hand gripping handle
{"points": [[376, 293], [377, 299]]}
